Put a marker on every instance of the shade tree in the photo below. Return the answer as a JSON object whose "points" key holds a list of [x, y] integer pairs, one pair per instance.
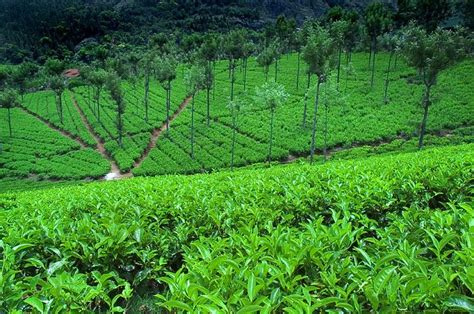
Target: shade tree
{"points": [[378, 20], [430, 53], [195, 81], [9, 100], [271, 95], [317, 54]]}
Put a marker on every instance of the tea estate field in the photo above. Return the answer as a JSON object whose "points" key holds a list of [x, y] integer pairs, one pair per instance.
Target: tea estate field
{"points": [[379, 234], [42, 151]]}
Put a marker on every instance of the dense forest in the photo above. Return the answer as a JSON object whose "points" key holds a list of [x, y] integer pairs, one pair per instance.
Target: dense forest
{"points": [[42, 28]]}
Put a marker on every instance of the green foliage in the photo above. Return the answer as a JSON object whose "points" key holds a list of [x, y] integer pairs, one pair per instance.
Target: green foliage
{"points": [[318, 51], [289, 238]]}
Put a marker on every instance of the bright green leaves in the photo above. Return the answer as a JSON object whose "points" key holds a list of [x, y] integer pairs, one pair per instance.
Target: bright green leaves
{"points": [[384, 234]]}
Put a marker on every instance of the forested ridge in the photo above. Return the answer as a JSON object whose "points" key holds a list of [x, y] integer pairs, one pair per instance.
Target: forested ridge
{"points": [[35, 29]]}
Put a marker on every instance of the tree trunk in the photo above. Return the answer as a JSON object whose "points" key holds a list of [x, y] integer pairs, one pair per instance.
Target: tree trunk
{"points": [[168, 105], [315, 118], [276, 70], [147, 90], [373, 63], [326, 112], [60, 108], [10, 121], [348, 61], [271, 135], [266, 74], [208, 107], [234, 123], [339, 67], [119, 124], [370, 56], [214, 81], [426, 105], [245, 74], [232, 79], [306, 101], [98, 104], [385, 100], [298, 73], [192, 128]]}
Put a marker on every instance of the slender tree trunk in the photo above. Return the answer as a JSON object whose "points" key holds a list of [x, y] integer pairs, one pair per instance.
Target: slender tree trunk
{"points": [[60, 108], [315, 118], [208, 108], [326, 112], [168, 105], [10, 121], [266, 74], [298, 73], [276, 70], [373, 63], [119, 124], [232, 79], [348, 60], [306, 100], [98, 104], [230, 67], [271, 135], [192, 128], [339, 66], [214, 81], [234, 123], [426, 105], [245, 74], [147, 90], [385, 99], [370, 56]]}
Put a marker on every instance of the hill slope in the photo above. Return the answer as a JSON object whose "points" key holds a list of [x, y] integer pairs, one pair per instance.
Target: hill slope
{"points": [[343, 236]]}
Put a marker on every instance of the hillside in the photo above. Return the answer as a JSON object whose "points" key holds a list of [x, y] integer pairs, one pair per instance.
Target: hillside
{"points": [[86, 145], [340, 236]]}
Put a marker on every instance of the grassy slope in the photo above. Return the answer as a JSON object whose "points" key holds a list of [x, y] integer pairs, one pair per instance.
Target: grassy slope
{"points": [[301, 233], [356, 115]]}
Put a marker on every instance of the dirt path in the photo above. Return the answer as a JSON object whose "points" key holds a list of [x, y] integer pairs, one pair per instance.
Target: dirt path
{"points": [[157, 133], [55, 128], [114, 169]]}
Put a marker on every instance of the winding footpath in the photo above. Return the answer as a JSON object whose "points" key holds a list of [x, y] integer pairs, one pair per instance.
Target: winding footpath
{"points": [[55, 128], [114, 169], [155, 135]]}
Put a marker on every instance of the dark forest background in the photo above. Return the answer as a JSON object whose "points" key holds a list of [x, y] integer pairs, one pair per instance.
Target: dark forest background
{"points": [[34, 29]]}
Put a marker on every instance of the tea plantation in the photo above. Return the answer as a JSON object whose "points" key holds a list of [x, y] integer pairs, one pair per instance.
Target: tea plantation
{"points": [[354, 113], [383, 234]]}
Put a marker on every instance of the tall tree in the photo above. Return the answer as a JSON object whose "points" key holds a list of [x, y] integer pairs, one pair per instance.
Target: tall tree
{"points": [[378, 20], [209, 51], [165, 71], [338, 29], [265, 59], [248, 49], [114, 87], [426, 13], [233, 51], [430, 54], [22, 75], [58, 85], [235, 107], [317, 54], [271, 95], [147, 66], [9, 100], [208, 84], [390, 42], [195, 81], [98, 79]]}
